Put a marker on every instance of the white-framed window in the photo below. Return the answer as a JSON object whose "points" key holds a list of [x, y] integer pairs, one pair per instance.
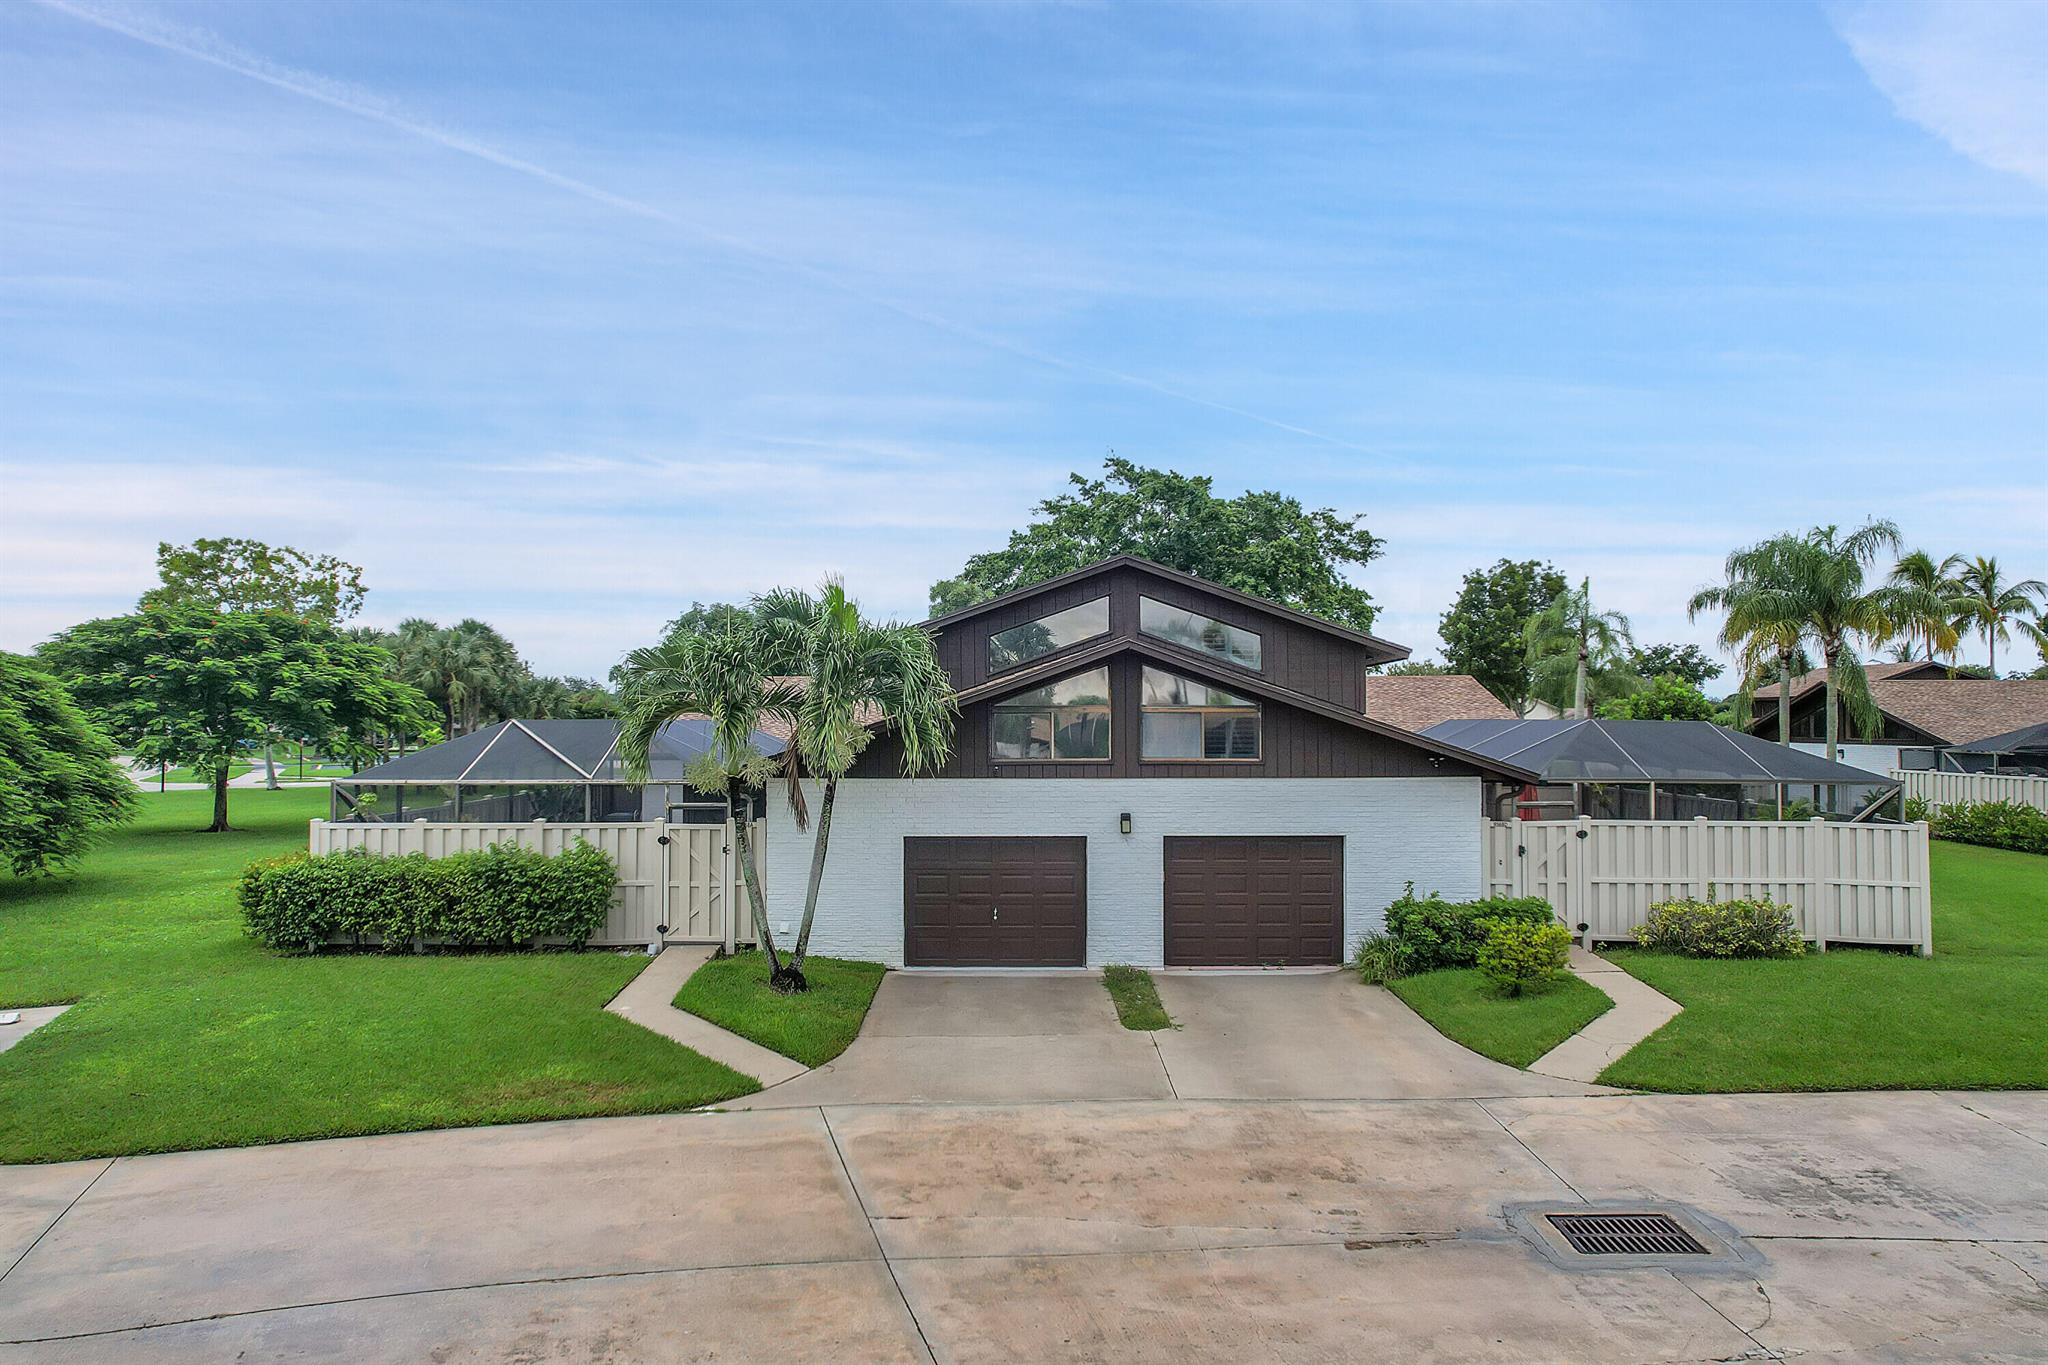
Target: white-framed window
{"points": [[1180, 718]]}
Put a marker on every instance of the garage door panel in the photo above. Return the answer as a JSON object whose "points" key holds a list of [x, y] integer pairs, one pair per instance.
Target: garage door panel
{"points": [[1254, 900], [993, 902]]}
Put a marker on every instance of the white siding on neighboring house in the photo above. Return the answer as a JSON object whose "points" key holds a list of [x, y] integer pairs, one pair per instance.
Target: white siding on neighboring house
{"points": [[1396, 829], [1873, 758]]}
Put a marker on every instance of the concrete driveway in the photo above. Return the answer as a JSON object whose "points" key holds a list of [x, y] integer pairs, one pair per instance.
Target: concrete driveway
{"points": [[994, 1038], [1908, 1226]]}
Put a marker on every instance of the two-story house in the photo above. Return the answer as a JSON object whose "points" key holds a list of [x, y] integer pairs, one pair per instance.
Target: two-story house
{"points": [[1148, 768]]}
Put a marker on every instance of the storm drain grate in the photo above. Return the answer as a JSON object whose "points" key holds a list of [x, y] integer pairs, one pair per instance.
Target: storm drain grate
{"points": [[1626, 1234]]}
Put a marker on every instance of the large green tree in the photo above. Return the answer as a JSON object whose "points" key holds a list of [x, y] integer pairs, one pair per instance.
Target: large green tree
{"points": [[1763, 621], [235, 574], [1667, 697], [1263, 543], [186, 684], [1688, 663], [1815, 587], [857, 674], [1985, 600], [60, 782], [1577, 653], [1934, 630], [1485, 632]]}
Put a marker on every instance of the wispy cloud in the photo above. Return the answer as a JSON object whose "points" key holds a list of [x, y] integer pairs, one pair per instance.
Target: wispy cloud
{"points": [[1972, 72], [202, 46]]}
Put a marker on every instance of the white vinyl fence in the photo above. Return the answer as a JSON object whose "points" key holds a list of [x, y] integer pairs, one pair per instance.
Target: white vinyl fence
{"points": [[681, 876], [1954, 789], [1846, 883]]}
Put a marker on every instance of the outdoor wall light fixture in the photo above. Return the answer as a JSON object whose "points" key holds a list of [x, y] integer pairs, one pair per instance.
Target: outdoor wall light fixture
{"points": [[1123, 823]]}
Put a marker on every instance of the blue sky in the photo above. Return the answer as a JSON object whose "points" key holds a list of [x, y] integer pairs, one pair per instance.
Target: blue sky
{"points": [[563, 316]]}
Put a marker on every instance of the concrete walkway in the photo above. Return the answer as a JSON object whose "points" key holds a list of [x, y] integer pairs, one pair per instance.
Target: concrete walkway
{"points": [[1638, 1012], [980, 1038], [646, 1001], [1906, 1226]]}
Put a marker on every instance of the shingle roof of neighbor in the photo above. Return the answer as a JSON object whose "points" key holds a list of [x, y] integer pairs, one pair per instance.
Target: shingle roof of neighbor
{"points": [[1416, 701], [1954, 710]]}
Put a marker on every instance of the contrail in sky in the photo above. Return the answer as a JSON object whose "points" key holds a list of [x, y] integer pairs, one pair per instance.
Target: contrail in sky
{"points": [[205, 47]]}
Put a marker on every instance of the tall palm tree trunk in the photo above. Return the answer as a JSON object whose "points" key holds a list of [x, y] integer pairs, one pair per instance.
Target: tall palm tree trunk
{"points": [[1834, 720], [803, 933], [1579, 680], [1785, 697], [737, 803]]}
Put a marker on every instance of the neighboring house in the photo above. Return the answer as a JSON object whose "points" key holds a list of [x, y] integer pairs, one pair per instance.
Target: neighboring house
{"points": [[1664, 770], [1417, 701], [1923, 711], [1148, 768]]}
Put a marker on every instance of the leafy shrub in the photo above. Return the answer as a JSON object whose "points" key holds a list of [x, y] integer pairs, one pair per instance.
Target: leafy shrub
{"points": [[1738, 928], [1380, 958], [1517, 953], [1994, 824], [502, 897], [1915, 809], [1435, 933]]}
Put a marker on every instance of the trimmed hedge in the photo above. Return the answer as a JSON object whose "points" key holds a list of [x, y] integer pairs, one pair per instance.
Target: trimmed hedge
{"points": [[1994, 824], [1738, 928], [502, 897], [1435, 933]]}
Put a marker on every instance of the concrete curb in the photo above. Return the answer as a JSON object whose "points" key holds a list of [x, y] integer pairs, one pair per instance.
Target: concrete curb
{"points": [[646, 1002], [1638, 1012]]}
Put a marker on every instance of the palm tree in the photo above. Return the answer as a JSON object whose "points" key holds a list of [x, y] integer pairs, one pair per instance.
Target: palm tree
{"points": [[1570, 642], [1933, 631], [1985, 601], [856, 674], [1818, 579], [1762, 622], [719, 675]]}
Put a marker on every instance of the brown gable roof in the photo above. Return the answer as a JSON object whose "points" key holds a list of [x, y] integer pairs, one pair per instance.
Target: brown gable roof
{"points": [[1418, 701], [1803, 683], [1958, 710], [1383, 651]]}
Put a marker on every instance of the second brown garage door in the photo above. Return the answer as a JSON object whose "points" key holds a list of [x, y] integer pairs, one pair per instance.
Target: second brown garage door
{"points": [[1254, 901], [974, 902]]}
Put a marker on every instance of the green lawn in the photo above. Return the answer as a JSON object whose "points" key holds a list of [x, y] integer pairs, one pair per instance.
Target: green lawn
{"points": [[1136, 998], [1465, 1008], [1975, 1015], [188, 1034], [814, 1027]]}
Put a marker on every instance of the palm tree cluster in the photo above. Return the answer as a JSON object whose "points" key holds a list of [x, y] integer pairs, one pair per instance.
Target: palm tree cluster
{"points": [[475, 676], [1794, 590], [1579, 651], [811, 667]]}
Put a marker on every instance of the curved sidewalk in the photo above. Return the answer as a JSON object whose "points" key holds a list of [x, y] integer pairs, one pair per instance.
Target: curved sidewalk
{"points": [[647, 1001], [1638, 1012]]}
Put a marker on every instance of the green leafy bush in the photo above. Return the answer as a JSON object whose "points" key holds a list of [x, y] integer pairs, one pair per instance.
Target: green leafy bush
{"points": [[1517, 953], [1915, 809], [1738, 928], [1994, 824], [501, 897], [1380, 959], [1435, 933]]}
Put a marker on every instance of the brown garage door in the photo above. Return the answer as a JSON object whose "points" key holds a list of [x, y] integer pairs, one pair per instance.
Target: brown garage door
{"points": [[1254, 900], [995, 902]]}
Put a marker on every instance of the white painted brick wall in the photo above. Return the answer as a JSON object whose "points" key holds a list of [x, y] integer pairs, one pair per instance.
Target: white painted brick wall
{"points": [[1396, 829]]}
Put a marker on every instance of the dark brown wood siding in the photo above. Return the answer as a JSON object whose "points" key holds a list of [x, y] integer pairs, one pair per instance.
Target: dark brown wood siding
{"points": [[1294, 656], [1293, 743]]}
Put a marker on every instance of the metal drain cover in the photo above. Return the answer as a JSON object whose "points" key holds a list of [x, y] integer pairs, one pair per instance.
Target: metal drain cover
{"points": [[1626, 1234], [1631, 1235]]}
